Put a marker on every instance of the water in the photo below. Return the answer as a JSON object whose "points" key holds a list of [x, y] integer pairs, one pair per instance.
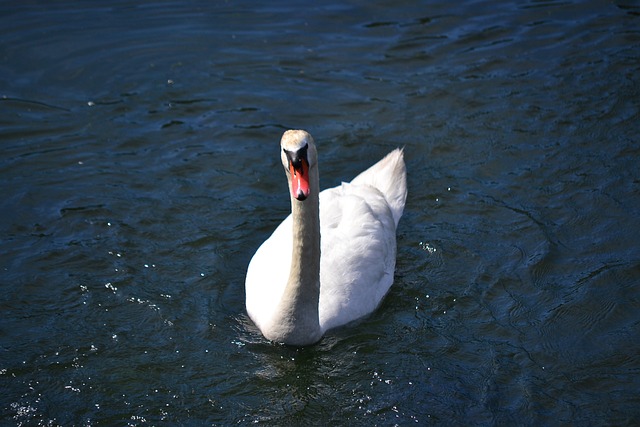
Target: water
{"points": [[140, 172]]}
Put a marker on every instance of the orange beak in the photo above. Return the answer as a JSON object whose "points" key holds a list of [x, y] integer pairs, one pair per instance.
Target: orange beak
{"points": [[299, 180]]}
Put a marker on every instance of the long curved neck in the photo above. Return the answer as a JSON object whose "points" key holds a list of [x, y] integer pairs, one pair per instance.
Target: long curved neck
{"points": [[297, 313]]}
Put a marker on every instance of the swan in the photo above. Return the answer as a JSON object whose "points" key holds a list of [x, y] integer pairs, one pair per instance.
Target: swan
{"points": [[332, 260]]}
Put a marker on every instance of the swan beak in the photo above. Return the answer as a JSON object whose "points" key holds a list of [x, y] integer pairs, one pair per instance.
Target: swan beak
{"points": [[299, 179]]}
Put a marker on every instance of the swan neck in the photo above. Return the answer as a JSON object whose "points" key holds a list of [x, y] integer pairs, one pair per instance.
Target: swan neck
{"points": [[297, 315], [305, 256]]}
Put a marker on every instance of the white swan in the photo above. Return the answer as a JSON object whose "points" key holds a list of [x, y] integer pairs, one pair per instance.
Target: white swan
{"points": [[298, 284]]}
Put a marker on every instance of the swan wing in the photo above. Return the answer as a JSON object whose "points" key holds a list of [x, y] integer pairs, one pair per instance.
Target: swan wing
{"points": [[358, 253], [389, 176]]}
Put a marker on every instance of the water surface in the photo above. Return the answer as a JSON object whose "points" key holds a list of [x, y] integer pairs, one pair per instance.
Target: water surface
{"points": [[140, 172]]}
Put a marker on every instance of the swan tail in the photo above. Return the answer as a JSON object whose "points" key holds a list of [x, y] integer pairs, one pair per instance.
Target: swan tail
{"points": [[389, 176]]}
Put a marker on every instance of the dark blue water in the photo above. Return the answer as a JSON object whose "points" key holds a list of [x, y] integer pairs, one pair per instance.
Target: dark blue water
{"points": [[140, 172]]}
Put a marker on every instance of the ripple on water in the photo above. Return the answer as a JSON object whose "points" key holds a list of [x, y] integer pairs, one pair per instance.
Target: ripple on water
{"points": [[140, 173]]}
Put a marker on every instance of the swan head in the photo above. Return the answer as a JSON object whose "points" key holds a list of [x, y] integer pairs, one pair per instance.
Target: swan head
{"points": [[298, 157]]}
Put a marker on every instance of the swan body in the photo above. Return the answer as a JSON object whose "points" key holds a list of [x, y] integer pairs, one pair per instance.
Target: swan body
{"points": [[333, 259]]}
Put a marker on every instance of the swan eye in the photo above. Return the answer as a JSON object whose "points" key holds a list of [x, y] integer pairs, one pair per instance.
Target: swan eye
{"points": [[296, 157]]}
